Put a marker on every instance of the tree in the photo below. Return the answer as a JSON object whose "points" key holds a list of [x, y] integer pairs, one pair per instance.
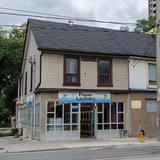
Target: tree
{"points": [[146, 24], [11, 47]]}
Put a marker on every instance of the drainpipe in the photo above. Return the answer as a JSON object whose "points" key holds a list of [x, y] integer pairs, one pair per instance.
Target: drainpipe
{"points": [[129, 114]]}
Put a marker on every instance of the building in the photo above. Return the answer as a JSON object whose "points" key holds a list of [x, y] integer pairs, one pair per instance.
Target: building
{"points": [[152, 8], [79, 81]]}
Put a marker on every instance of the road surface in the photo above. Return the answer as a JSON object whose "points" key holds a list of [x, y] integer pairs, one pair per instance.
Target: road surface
{"points": [[100, 153]]}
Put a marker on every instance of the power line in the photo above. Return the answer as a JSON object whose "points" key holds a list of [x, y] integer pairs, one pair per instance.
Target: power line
{"points": [[65, 18], [10, 25]]}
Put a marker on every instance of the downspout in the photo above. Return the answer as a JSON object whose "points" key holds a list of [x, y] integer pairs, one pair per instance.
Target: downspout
{"points": [[129, 104], [40, 73]]}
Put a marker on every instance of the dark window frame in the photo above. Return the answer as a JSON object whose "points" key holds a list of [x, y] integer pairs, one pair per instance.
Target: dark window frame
{"points": [[110, 74], [25, 89], [31, 78], [151, 82], [64, 71]]}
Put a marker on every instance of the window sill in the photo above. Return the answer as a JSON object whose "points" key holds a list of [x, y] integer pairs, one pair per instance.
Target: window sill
{"points": [[71, 84], [104, 85], [151, 86]]}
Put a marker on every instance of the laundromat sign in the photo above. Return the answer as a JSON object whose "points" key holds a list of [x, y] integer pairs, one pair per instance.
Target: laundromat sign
{"points": [[83, 97]]}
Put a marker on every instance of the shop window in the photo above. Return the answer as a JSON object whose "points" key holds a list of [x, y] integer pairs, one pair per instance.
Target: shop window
{"points": [[104, 72], [113, 112], [120, 117], [106, 126], [113, 126], [50, 128], [100, 127], [67, 113], [58, 114], [120, 106], [66, 127], [50, 115], [106, 112], [99, 106], [75, 116], [25, 116], [71, 70], [120, 126], [74, 127], [110, 116], [62, 117]]}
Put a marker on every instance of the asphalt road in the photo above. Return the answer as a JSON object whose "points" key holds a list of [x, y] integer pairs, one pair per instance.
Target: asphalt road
{"points": [[109, 153]]}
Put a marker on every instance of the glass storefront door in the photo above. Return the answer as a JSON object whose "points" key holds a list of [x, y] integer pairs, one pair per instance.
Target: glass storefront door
{"points": [[87, 120], [93, 121]]}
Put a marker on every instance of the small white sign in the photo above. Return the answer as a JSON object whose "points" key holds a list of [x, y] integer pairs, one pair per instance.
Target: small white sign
{"points": [[136, 104]]}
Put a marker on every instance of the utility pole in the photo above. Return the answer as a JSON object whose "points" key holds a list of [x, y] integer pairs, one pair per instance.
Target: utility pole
{"points": [[158, 64]]}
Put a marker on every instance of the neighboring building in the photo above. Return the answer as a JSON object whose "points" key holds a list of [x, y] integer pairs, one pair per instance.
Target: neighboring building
{"points": [[142, 94], [152, 7], [79, 81]]}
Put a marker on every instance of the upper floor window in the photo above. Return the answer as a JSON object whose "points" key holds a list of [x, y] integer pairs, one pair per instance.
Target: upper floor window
{"points": [[71, 70], [152, 73], [104, 72]]}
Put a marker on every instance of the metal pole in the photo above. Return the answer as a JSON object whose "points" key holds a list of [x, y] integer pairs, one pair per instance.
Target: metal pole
{"points": [[158, 65]]}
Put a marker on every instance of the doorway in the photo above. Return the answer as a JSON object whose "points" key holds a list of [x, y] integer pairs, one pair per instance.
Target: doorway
{"points": [[87, 127]]}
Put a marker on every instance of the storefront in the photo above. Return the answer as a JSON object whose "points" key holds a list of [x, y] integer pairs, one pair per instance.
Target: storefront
{"points": [[76, 115]]}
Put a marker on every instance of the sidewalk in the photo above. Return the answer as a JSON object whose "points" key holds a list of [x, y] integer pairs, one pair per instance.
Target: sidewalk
{"points": [[11, 144]]}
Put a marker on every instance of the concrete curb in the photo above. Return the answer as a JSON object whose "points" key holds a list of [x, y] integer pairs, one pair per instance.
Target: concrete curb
{"points": [[82, 147]]}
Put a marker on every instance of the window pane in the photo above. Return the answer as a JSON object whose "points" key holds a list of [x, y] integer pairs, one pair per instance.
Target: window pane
{"points": [[71, 65], [106, 126], [99, 117], [71, 78], [113, 112], [74, 118], [50, 128], [151, 105], [67, 127], [75, 107], [59, 114], [99, 105], [106, 112], [113, 126], [50, 107], [58, 127], [99, 126], [120, 107], [104, 71], [66, 113], [120, 126], [50, 118], [74, 127], [120, 117], [152, 72], [71, 70]]}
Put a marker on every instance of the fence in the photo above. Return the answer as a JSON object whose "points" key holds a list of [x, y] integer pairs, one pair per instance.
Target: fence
{"points": [[6, 132]]}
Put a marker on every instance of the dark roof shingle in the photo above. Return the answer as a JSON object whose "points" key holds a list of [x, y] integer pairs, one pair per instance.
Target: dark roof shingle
{"points": [[85, 39]]}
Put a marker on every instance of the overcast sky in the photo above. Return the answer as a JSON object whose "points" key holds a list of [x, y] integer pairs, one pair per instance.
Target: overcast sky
{"points": [[107, 10]]}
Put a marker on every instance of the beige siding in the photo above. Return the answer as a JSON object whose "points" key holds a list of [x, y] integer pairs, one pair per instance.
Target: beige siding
{"points": [[31, 51], [52, 73]]}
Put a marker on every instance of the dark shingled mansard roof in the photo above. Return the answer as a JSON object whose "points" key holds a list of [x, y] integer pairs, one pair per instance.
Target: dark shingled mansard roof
{"points": [[53, 36]]}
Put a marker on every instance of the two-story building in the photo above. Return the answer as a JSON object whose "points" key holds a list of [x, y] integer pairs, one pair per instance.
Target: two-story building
{"points": [[80, 81]]}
